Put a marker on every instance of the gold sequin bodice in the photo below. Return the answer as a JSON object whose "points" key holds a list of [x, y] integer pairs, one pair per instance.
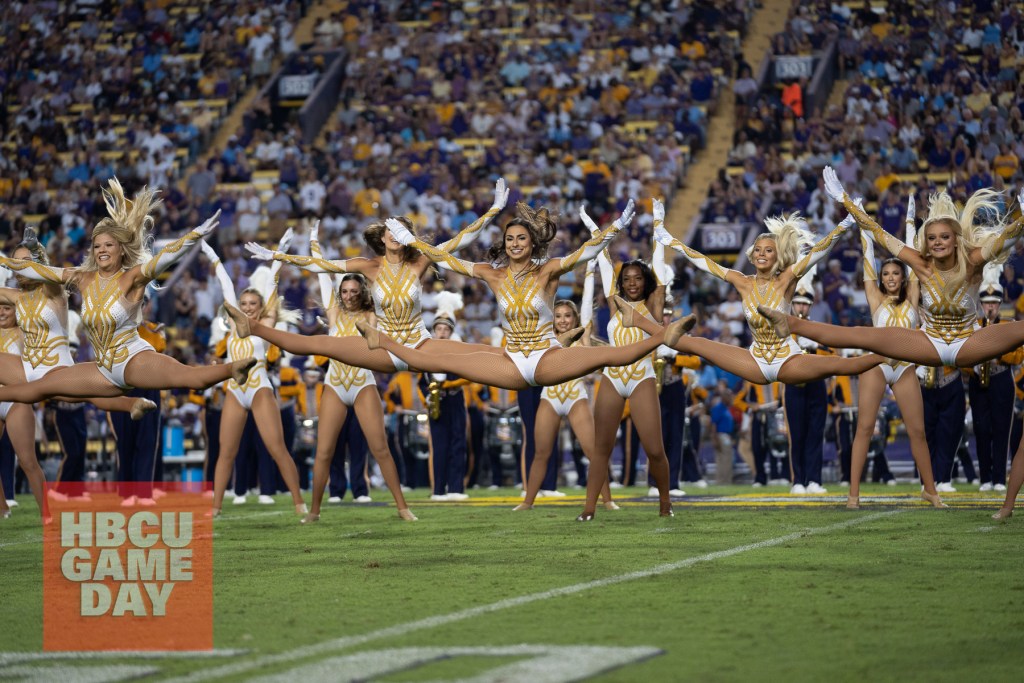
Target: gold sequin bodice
{"points": [[526, 316], [44, 324], [111, 321], [249, 347], [767, 345], [396, 300], [948, 316], [623, 336], [10, 340], [339, 374]]}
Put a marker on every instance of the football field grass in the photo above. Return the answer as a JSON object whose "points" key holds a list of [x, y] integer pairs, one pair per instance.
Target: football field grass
{"points": [[735, 587]]}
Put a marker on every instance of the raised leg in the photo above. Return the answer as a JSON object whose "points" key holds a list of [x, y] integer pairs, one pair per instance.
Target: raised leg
{"points": [[907, 391], [802, 369], [152, 370], [892, 342], [348, 350], [80, 381], [990, 342], [730, 358], [268, 422], [371, 419]]}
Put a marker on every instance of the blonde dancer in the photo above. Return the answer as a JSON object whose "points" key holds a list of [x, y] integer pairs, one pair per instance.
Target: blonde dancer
{"points": [[255, 393], [112, 282]]}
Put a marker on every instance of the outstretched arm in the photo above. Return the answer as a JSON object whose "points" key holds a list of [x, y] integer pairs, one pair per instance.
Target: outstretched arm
{"points": [[913, 283], [602, 261], [310, 264], [892, 243], [270, 295], [37, 271], [870, 274], [469, 234], [587, 303], [1004, 241], [822, 249], [227, 287], [439, 256], [696, 259], [596, 244], [174, 252], [326, 282]]}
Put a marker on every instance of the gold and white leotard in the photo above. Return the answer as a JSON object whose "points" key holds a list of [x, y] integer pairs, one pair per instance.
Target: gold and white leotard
{"points": [[768, 350], [347, 380], [396, 300], [44, 325], [626, 378], [948, 318], [259, 378], [527, 321], [891, 314], [10, 342], [111, 323]]}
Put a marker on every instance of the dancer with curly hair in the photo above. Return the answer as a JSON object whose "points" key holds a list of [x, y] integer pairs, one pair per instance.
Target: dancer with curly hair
{"points": [[394, 277], [524, 282], [349, 388], [568, 400]]}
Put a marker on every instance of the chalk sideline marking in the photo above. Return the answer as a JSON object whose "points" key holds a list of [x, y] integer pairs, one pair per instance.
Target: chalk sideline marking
{"points": [[400, 630]]}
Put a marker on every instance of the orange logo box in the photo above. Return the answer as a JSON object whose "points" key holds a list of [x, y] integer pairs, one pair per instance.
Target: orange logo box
{"points": [[125, 571]]}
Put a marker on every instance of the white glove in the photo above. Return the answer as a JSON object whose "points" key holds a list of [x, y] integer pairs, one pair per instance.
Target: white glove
{"points": [[911, 209], [500, 195], [832, 184], [662, 236], [208, 251], [314, 232], [588, 221], [400, 232], [922, 372], [659, 212], [627, 216], [286, 240], [259, 252], [208, 227], [1020, 198], [30, 237]]}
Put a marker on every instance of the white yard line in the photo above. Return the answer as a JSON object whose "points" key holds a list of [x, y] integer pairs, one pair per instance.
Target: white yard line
{"points": [[400, 630]]}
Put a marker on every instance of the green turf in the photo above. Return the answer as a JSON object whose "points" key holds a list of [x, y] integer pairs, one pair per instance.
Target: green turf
{"points": [[918, 594]]}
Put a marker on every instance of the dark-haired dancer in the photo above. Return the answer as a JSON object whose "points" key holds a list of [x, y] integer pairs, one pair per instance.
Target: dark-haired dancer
{"points": [[641, 287], [567, 400], [394, 277], [349, 388], [524, 285]]}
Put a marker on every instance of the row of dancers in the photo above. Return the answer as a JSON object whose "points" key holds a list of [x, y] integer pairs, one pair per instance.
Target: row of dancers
{"points": [[546, 342]]}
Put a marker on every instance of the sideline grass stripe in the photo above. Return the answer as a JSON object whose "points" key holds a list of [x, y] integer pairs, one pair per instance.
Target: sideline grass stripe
{"points": [[400, 630], [11, 658]]}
